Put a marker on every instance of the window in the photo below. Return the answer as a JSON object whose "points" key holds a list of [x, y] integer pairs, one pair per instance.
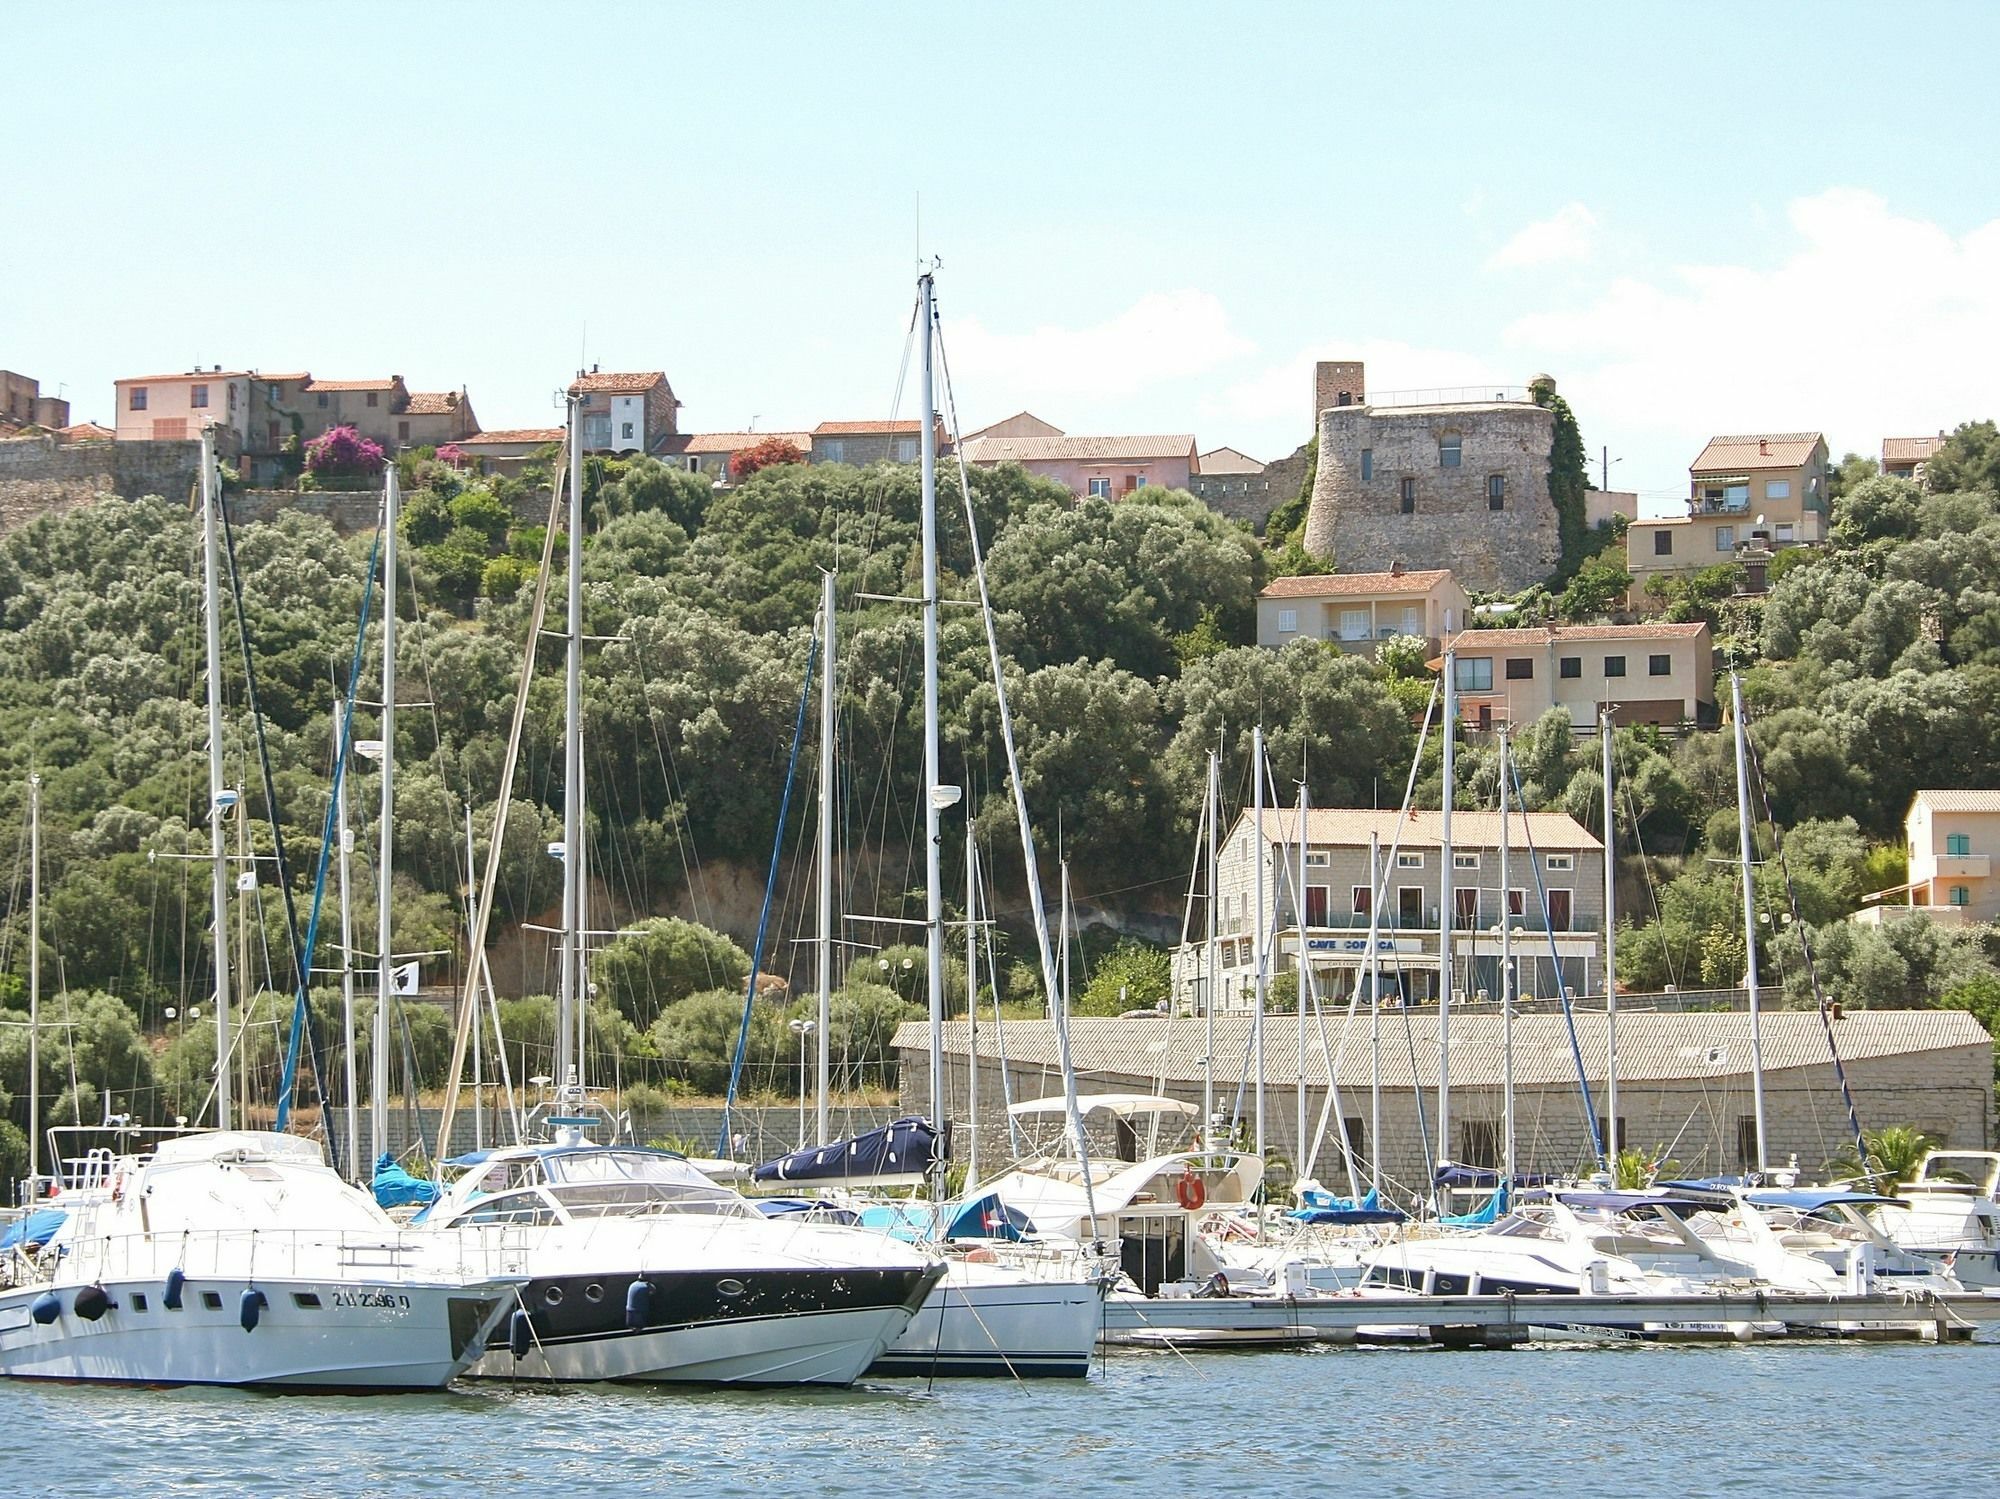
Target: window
{"points": [[1725, 538], [403, 431], [1409, 906], [1479, 1143], [197, 395], [1560, 903], [1357, 1138], [1407, 860], [1958, 845], [1463, 860], [1562, 861], [1140, 482], [1360, 898], [1409, 492], [1663, 543], [1746, 1142], [1496, 491], [1521, 669], [906, 450], [272, 430], [138, 1301], [1354, 624], [374, 398], [324, 400], [1475, 673], [1961, 895], [1784, 530], [138, 400], [625, 431], [1466, 903], [212, 1300], [1777, 489], [1618, 1136], [1318, 899], [1367, 464], [1448, 452], [1288, 621], [306, 1300], [1569, 668], [1517, 902], [1100, 489], [694, 463], [834, 449], [1614, 666], [1318, 858], [1658, 665], [1413, 619]]}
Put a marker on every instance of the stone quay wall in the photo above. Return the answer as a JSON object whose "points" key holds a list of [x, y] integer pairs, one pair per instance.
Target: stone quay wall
{"points": [[40, 477]]}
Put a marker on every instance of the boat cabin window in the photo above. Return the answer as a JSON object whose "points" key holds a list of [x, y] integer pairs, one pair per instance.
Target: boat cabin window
{"points": [[529, 1207], [621, 1199], [622, 1166]]}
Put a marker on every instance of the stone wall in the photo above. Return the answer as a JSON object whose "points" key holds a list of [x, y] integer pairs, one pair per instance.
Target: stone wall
{"points": [[39, 477], [349, 511], [1362, 525]]}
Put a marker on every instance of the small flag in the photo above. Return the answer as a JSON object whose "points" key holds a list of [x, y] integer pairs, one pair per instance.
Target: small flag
{"points": [[403, 979], [246, 881]]}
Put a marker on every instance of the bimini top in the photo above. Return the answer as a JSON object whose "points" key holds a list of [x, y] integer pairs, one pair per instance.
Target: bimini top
{"points": [[1124, 1105], [1628, 1202], [1815, 1199], [238, 1144]]}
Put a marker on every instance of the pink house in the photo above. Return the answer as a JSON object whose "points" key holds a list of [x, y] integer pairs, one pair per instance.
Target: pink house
{"points": [[1108, 467], [174, 408]]}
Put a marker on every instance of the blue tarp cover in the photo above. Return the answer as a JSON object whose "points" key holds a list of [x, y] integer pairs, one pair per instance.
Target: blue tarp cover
{"points": [[1325, 1207], [36, 1229], [1495, 1206], [395, 1188], [906, 1148]]}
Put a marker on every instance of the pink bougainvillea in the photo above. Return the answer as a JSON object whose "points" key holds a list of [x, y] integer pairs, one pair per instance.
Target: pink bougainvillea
{"points": [[451, 454], [342, 450]]}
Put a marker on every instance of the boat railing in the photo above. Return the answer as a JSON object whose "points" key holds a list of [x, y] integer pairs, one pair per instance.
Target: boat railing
{"points": [[415, 1255]]}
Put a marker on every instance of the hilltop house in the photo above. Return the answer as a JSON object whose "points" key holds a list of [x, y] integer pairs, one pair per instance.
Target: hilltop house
{"points": [[1358, 611], [1652, 673], [632, 412], [1952, 838], [1094, 467], [1761, 492]]}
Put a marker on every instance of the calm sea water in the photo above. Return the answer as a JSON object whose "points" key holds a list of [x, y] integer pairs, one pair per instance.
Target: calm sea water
{"points": [[1781, 1421]]}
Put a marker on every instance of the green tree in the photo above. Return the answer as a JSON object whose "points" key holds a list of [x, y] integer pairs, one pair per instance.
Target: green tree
{"points": [[663, 959], [1598, 587], [1968, 459], [1132, 976]]}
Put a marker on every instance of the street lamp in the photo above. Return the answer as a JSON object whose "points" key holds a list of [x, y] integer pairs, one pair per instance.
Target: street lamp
{"points": [[803, 1029]]}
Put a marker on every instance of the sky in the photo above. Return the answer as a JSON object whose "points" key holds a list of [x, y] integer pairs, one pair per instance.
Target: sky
{"points": [[1146, 218]]}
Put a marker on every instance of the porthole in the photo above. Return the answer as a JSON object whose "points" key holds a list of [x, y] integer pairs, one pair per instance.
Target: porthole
{"points": [[306, 1300], [212, 1300], [593, 1292], [729, 1286], [553, 1296]]}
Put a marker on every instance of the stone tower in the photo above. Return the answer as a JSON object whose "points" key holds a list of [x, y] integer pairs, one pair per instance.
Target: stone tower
{"points": [[1337, 382]]}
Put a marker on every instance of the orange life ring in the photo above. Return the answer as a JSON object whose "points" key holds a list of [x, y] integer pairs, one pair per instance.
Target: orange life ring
{"points": [[1190, 1192]]}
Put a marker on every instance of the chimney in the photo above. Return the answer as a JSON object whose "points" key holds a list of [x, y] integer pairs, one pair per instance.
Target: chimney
{"points": [[1398, 568], [1763, 447]]}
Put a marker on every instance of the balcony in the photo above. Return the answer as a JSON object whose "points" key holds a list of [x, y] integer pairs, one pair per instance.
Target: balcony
{"points": [[1963, 867], [1950, 916]]}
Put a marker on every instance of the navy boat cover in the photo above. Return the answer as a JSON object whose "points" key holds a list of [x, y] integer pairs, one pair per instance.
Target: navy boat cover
{"points": [[901, 1151]]}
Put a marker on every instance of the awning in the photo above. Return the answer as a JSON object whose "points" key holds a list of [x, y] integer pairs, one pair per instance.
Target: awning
{"points": [[1124, 1105]]}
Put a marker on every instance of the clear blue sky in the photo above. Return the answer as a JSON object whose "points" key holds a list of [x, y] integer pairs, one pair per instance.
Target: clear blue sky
{"points": [[1150, 217]]}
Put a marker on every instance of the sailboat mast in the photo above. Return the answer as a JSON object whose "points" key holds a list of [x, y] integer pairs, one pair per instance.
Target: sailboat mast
{"points": [[1445, 900], [1375, 1006], [1262, 945], [571, 967], [1506, 976], [827, 790], [1612, 1144], [211, 571], [934, 789], [1305, 984], [972, 1007], [346, 848], [1211, 813], [34, 983], [1744, 849], [385, 970], [471, 917]]}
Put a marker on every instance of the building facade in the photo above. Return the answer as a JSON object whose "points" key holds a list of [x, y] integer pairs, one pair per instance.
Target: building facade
{"points": [[625, 412], [22, 404], [1436, 479], [1764, 491], [1555, 884], [1952, 837], [1662, 674], [864, 442], [1232, 483], [175, 408], [711, 452], [1109, 468], [1358, 611], [1905, 457]]}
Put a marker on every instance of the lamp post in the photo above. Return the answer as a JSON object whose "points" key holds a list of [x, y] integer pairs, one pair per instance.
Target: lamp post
{"points": [[803, 1029]]}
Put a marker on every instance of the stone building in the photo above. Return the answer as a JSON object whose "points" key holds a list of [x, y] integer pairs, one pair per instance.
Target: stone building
{"points": [[22, 404], [1684, 1085], [861, 443], [711, 452], [1233, 483], [1452, 479], [625, 411]]}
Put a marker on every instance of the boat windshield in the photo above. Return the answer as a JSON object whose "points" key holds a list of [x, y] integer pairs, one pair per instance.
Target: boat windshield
{"points": [[622, 1199], [1525, 1223], [621, 1166]]}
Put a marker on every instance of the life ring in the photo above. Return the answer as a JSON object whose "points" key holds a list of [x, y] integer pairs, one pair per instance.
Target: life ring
{"points": [[1190, 1192]]}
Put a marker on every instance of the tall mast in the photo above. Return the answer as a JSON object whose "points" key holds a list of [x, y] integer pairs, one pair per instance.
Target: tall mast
{"points": [[245, 980], [972, 1007], [34, 985], [934, 790], [1211, 813], [1261, 944], [1506, 978], [385, 970], [1305, 987], [1612, 1144], [471, 918], [218, 855], [571, 967], [1445, 912], [1744, 850], [1375, 1006], [346, 847], [827, 790]]}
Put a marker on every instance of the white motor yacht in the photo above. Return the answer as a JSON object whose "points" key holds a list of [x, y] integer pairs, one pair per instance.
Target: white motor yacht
{"points": [[238, 1257], [1949, 1214], [641, 1268]]}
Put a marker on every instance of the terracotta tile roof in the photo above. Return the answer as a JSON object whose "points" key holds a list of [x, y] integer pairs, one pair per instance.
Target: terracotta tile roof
{"points": [[287, 378], [610, 381], [731, 442], [839, 429], [1228, 461], [314, 387], [191, 375], [1345, 827], [1348, 585], [1756, 450], [1910, 449], [1960, 801], [515, 435], [1654, 1046], [431, 403], [1539, 635], [86, 432], [1077, 449]]}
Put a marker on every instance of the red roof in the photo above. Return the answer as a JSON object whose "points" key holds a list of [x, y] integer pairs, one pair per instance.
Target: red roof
{"points": [[1338, 584], [836, 429], [609, 381], [515, 434], [1757, 450], [86, 432], [431, 403], [314, 387], [1910, 449], [1541, 635], [182, 375]]}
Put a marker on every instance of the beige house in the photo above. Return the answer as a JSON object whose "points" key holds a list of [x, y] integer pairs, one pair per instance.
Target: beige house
{"points": [[1357, 611], [1653, 673], [506, 450], [1764, 490], [1952, 837], [710, 452], [1095, 467], [175, 408], [1905, 457]]}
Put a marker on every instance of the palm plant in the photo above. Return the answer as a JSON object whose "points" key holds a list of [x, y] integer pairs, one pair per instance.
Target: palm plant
{"points": [[1894, 1153]]}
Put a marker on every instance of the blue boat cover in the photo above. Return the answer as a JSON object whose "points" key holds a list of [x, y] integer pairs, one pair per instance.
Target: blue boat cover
{"points": [[908, 1148], [34, 1230], [1495, 1206], [789, 1207], [1684, 1201], [908, 1221], [1813, 1199], [1324, 1207], [395, 1188], [1455, 1176], [988, 1218]]}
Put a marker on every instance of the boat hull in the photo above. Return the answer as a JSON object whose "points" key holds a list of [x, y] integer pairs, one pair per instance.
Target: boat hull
{"points": [[973, 1325]]}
